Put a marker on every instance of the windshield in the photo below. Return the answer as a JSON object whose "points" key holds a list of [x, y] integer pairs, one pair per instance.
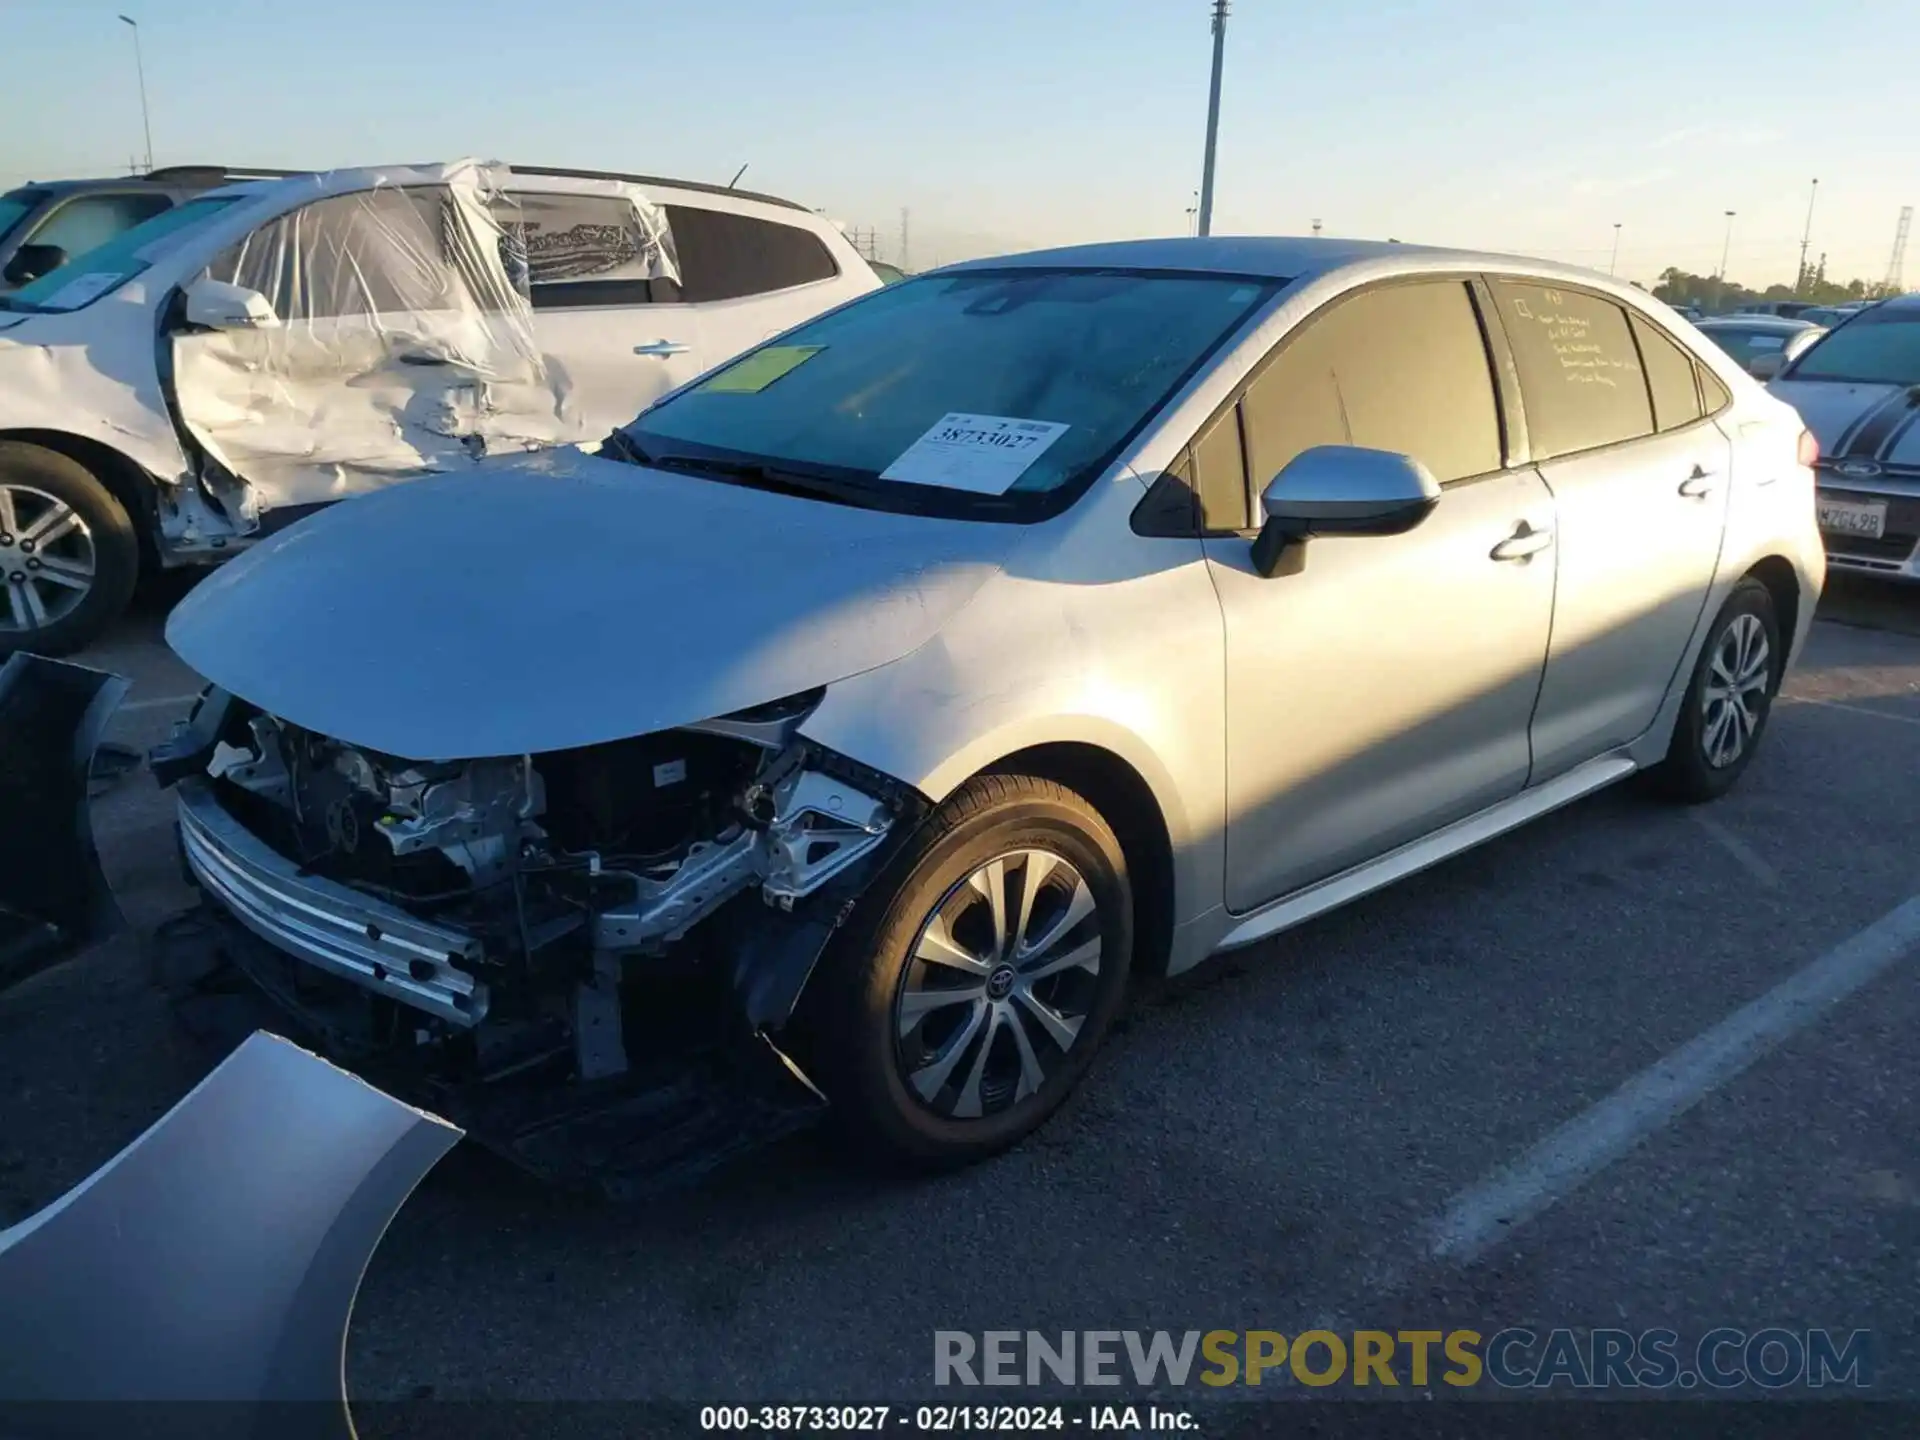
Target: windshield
{"points": [[1744, 341], [105, 268], [1000, 393], [15, 205], [1874, 347]]}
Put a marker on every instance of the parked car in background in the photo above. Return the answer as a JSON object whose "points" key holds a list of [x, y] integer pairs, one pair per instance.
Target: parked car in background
{"points": [[1859, 391], [891, 697], [1689, 312], [1784, 309], [1761, 343], [889, 274], [326, 335], [45, 223]]}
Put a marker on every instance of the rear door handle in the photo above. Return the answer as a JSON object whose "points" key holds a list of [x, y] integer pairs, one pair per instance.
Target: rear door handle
{"points": [[1699, 484], [661, 348], [1523, 542]]}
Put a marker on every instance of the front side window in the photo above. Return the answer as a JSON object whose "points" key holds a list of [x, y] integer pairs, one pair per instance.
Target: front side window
{"points": [[1580, 375], [724, 256], [1876, 347], [1402, 368], [1053, 372], [87, 222], [373, 252]]}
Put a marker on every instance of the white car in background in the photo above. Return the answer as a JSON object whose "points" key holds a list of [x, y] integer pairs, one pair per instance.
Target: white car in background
{"points": [[267, 348]]}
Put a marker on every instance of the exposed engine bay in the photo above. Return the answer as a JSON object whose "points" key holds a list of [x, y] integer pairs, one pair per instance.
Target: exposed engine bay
{"points": [[528, 911]]}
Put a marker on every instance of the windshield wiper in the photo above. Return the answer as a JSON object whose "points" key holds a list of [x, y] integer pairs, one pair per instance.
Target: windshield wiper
{"points": [[764, 477]]}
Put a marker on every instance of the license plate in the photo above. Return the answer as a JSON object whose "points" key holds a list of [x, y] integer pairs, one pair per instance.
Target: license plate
{"points": [[1839, 517]]}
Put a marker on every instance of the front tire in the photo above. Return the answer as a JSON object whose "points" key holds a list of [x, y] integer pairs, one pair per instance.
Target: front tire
{"points": [[1728, 700], [69, 557], [957, 1017]]}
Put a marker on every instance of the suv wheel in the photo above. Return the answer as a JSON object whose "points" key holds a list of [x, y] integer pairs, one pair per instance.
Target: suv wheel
{"points": [[957, 1019], [1728, 700], [68, 554]]}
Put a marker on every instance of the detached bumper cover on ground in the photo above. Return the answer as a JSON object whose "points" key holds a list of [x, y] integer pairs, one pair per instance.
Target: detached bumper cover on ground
{"points": [[214, 1259], [53, 898]]}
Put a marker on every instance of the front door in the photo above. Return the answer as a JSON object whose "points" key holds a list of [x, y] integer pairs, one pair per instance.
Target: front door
{"points": [[1384, 689], [1640, 481]]}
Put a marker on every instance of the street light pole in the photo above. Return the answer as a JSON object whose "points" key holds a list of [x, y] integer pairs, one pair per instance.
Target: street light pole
{"points": [[1726, 247], [140, 68], [1806, 237], [1614, 263], [1213, 116]]}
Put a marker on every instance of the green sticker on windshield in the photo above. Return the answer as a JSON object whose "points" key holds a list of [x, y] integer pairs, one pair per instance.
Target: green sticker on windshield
{"points": [[760, 369]]}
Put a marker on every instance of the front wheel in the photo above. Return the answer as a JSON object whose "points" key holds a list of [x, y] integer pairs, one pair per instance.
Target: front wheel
{"points": [[955, 1020], [1728, 700], [69, 556]]}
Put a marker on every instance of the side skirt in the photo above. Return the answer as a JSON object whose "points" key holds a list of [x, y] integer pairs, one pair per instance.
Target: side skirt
{"points": [[1418, 855]]}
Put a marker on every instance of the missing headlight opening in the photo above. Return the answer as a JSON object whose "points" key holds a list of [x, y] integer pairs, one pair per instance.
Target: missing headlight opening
{"points": [[560, 912]]}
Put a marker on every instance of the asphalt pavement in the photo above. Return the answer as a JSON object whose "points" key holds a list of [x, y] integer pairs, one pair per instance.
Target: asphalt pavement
{"points": [[1655, 1065]]}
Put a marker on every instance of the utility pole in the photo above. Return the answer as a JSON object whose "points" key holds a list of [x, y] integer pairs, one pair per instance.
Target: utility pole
{"points": [[1316, 229], [903, 238], [1806, 238], [1726, 248], [1892, 284], [1614, 263], [1213, 116], [140, 68]]}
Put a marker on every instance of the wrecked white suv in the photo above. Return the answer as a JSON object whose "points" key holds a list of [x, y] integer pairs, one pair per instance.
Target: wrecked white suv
{"points": [[266, 348]]}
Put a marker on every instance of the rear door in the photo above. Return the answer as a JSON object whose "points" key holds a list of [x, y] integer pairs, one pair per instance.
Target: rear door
{"points": [[1640, 477], [615, 333]]}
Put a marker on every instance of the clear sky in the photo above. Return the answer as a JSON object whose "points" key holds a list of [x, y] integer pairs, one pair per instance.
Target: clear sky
{"points": [[1008, 124]]}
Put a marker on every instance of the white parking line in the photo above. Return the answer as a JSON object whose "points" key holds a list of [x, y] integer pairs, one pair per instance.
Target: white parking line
{"points": [[1759, 869], [1850, 709], [1494, 1208], [158, 702]]}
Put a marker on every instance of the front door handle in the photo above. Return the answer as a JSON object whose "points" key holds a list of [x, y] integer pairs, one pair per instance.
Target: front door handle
{"points": [[1523, 542], [1699, 484], [661, 348]]}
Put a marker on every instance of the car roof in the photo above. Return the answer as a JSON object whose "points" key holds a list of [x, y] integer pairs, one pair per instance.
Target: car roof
{"points": [[1285, 258], [1764, 321]]}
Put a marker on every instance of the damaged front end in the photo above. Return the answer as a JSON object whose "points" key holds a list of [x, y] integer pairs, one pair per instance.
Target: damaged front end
{"points": [[585, 957]]}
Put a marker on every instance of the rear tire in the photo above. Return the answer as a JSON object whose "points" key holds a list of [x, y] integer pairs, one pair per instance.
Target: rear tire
{"points": [[69, 556], [920, 1057], [1728, 699]]}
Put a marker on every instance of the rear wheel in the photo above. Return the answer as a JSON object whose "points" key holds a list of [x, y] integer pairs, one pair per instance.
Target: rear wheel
{"points": [[68, 553], [957, 1019], [1728, 700]]}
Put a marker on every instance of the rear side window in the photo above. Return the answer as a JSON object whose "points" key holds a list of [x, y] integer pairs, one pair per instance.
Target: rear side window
{"points": [[89, 221], [571, 251], [1401, 368], [1676, 395], [1580, 375], [724, 256], [1714, 395]]}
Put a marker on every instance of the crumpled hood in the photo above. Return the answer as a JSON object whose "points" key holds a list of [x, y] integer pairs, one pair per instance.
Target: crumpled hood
{"points": [[1858, 422], [551, 601]]}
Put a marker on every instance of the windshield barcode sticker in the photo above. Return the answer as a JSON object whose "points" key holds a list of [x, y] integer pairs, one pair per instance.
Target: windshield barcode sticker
{"points": [[981, 453]]}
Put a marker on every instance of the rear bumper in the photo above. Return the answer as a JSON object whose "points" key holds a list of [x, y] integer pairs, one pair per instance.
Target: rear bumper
{"points": [[376, 946]]}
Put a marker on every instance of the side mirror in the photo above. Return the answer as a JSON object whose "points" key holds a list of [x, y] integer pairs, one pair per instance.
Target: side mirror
{"points": [[219, 306], [30, 262], [1341, 490], [1767, 364]]}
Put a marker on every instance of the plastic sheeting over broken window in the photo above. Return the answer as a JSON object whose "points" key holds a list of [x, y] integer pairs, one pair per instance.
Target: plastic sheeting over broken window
{"points": [[402, 337]]}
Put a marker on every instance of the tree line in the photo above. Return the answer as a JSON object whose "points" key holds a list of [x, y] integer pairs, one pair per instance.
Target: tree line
{"points": [[1713, 293]]}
